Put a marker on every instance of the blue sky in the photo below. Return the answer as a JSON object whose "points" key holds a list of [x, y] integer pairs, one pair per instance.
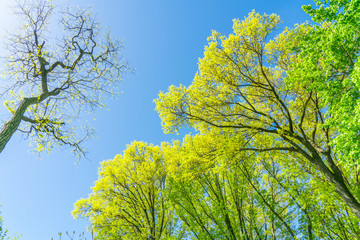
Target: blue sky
{"points": [[163, 41]]}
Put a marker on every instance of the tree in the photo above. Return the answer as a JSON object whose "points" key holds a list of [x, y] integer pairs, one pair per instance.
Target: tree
{"points": [[222, 193], [241, 85], [204, 188], [329, 65], [129, 200], [54, 78]]}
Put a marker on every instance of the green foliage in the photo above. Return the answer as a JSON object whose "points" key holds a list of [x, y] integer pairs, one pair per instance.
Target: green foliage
{"points": [[222, 193], [129, 200], [243, 85], [213, 191], [4, 232], [329, 65]]}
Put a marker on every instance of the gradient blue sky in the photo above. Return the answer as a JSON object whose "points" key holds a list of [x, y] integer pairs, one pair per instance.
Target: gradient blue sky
{"points": [[163, 41]]}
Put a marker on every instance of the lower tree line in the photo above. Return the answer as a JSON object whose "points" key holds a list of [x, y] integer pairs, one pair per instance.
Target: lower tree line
{"points": [[203, 188]]}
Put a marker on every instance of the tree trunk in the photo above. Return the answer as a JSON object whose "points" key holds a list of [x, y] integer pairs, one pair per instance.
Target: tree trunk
{"points": [[336, 179], [347, 196], [11, 126]]}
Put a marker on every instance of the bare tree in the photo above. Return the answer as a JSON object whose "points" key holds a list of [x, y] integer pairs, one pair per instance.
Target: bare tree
{"points": [[54, 77], [74, 237]]}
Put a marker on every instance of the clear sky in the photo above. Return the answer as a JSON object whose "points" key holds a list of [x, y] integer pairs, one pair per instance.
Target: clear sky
{"points": [[163, 40]]}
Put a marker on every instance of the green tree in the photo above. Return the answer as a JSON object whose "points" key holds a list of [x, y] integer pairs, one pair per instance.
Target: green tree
{"points": [[222, 193], [53, 78], [241, 85], [129, 200], [204, 188], [329, 65]]}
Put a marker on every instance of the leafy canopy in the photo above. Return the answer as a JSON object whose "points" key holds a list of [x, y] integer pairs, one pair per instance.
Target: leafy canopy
{"points": [[329, 65], [129, 198], [244, 84]]}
